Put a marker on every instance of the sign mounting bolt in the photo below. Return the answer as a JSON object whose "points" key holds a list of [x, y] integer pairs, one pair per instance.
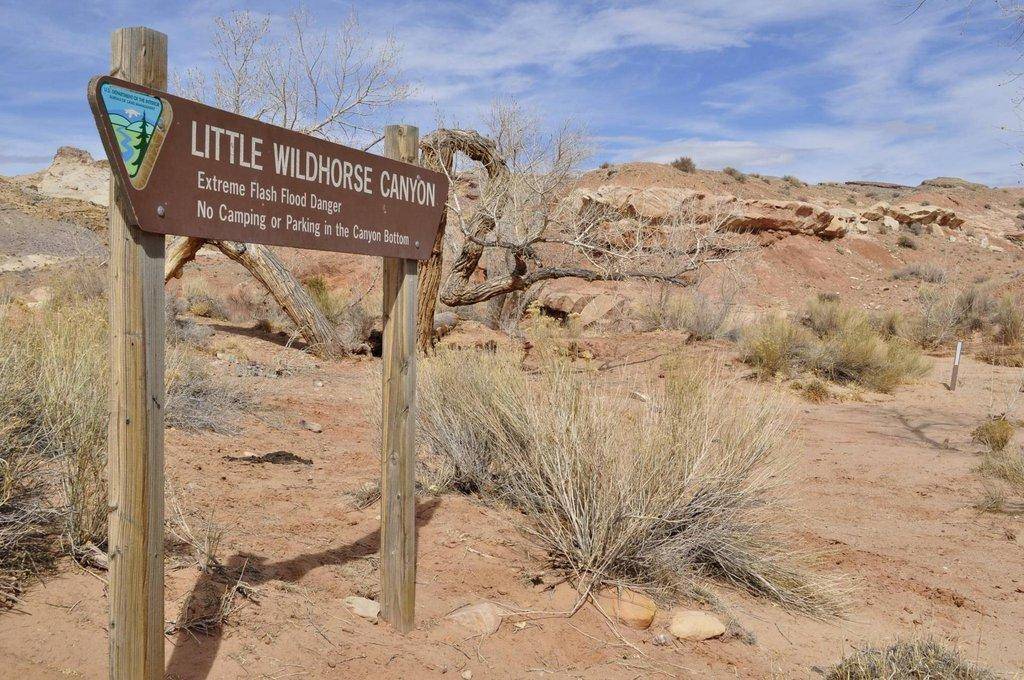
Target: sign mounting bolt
{"points": [[161, 210]]}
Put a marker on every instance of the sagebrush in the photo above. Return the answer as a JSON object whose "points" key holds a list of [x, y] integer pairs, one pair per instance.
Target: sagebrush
{"points": [[925, 659], [650, 495], [838, 343], [53, 427]]}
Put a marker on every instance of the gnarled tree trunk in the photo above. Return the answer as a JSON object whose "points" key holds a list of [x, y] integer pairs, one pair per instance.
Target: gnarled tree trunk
{"points": [[287, 291]]}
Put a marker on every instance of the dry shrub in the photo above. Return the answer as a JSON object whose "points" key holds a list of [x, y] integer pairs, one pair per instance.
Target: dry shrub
{"points": [[995, 433], [928, 272], [906, 241], [890, 324], [946, 315], [202, 535], [1011, 357], [908, 660], [842, 346], [183, 331], [54, 383], [53, 424], [684, 164], [82, 280], [1009, 321], [200, 301], [198, 400], [859, 355], [735, 174], [815, 391], [827, 317], [698, 314], [794, 180], [1006, 466], [776, 346], [26, 522], [652, 495]]}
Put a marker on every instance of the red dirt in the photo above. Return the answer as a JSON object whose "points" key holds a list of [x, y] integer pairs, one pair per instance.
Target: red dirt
{"points": [[885, 486]]}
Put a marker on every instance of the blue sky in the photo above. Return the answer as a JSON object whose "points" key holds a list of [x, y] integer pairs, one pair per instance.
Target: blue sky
{"points": [[822, 89]]}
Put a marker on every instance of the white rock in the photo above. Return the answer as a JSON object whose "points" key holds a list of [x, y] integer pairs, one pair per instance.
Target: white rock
{"points": [[311, 426], [695, 625], [890, 223], [483, 618], [363, 607], [467, 675]]}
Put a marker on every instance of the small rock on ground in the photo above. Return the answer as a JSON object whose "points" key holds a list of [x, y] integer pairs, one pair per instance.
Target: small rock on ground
{"points": [[363, 607], [695, 625], [631, 608], [483, 618], [311, 426]]}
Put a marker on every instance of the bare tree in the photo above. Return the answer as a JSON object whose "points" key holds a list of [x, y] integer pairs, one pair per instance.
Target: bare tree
{"points": [[332, 85], [525, 227]]}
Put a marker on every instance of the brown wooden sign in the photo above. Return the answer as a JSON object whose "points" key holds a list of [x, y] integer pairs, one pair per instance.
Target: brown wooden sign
{"points": [[193, 170]]}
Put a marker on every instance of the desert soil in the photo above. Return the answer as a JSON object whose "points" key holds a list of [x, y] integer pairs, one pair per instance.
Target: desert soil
{"points": [[885, 487]]}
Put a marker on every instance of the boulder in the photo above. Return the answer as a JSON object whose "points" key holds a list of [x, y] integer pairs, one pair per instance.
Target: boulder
{"points": [[843, 221], [628, 607], [695, 625], [591, 304], [483, 618]]}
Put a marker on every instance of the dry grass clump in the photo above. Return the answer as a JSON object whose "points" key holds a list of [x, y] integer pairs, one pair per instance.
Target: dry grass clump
{"points": [[815, 391], [794, 180], [907, 241], [776, 346], [1009, 321], [1007, 467], [200, 301], [54, 386], [650, 495], [836, 343], [53, 427], [183, 331], [1011, 357], [946, 315], [928, 272], [198, 400], [735, 174], [684, 164], [698, 314], [995, 433], [908, 660]]}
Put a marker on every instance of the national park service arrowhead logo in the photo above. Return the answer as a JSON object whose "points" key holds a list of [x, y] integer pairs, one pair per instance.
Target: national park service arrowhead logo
{"points": [[139, 123]]}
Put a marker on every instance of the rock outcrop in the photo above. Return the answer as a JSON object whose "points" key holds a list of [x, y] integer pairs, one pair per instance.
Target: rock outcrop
{"points": [[659, 205], [914, 212], [72, 174]]}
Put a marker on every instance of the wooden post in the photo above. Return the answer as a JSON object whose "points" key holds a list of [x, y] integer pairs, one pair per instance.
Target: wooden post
{"points": [[136, 454], [956, 365], [398, 451]]}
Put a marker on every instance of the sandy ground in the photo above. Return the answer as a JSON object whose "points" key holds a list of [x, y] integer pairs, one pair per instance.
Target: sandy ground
{"points": [[886, 486]]}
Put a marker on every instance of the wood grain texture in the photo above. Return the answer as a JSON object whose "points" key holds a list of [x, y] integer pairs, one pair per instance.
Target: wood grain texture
{"points": [[398, 454], [135, 449]]}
